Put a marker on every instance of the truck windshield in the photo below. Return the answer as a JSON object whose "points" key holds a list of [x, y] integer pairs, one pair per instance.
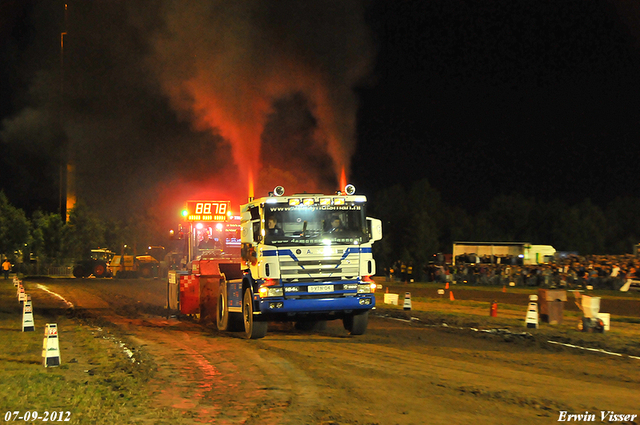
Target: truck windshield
{"points": [[326, 225]]}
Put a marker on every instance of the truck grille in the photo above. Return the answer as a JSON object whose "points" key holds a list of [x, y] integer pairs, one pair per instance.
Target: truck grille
{"points": [[319, 267]]}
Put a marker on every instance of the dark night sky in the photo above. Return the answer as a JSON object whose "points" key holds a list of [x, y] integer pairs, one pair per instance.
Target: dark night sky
{"points": [[479, 97]]}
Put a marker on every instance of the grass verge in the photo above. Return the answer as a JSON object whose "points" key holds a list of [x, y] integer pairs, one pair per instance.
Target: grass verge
{"points": [[97, 381], [623, 337]]}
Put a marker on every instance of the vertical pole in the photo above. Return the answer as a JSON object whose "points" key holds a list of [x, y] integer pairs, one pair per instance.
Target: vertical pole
{"points": [[64, 147]]}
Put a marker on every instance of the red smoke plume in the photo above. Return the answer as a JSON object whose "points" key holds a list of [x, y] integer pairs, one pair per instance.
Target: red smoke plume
{"points": [[228, 63]]}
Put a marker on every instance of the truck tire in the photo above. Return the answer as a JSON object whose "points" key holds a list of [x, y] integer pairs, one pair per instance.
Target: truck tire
{"points": [[224, 320], [253, 329], [312, 325], [356, 323], [99, 270], [78, 272], [145, 272]]}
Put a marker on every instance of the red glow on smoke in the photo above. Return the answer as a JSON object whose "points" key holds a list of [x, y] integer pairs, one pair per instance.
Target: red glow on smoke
{"points": [[239, 115], [235, 70], [239, 119], [171, 198]]}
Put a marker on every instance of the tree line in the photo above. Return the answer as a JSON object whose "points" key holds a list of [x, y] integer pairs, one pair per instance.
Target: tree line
{"points": [[417, 224], [50, 240]]}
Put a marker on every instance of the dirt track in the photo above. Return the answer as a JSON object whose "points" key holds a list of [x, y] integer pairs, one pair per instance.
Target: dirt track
{"points": [[617, 307], [397, 373]]}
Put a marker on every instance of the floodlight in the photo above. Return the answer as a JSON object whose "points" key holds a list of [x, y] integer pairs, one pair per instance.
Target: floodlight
{"points": [[350, 189]]}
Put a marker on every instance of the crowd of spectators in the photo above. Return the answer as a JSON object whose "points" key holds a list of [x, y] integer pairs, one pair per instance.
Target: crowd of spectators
{"points": [[571, 272]]}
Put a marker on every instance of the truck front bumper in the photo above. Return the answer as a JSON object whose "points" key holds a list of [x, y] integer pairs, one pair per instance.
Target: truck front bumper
{"points": [[316, 305]]}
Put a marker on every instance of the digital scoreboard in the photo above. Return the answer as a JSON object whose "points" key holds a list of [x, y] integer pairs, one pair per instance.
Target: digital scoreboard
{"points": [[207, 210]]}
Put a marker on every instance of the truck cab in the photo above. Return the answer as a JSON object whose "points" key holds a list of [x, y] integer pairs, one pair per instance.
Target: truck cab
{"points": [[306, 258]]}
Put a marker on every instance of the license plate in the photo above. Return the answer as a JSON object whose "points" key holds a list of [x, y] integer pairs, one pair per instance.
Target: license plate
{"points": [[321, 288]]}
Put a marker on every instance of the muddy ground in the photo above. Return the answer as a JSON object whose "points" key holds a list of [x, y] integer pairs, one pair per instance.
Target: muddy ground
{"points": [[411, 367]]}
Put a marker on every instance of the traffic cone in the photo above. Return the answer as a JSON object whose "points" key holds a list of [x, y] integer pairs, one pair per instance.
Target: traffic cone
{"points": [[22, 296], [493, 310], [407, 301], [50, 347], [504, 288], [27, 317], [446, 286], [387, 291], [451, 296], [531, 320]]}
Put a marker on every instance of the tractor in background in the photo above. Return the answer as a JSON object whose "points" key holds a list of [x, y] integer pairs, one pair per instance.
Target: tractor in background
{"points": [[96, 264]]}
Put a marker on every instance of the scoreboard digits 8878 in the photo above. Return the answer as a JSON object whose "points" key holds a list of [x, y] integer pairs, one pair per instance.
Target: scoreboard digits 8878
{"points": [[207, 210]]}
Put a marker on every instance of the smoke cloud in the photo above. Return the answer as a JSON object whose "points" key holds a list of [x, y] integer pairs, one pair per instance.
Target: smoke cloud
{"points": [[165, 101], [238, 66]]}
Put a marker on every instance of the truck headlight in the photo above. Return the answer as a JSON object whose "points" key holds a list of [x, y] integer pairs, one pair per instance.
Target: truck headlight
{"points": [[364, 289], [270, 291]]}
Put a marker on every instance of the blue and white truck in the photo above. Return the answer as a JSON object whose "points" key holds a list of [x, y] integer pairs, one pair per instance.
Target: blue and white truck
{"points": [[306, 258]]}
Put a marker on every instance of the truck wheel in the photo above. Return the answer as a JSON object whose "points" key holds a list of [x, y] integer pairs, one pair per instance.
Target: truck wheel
{"points": [[222, 312], [224, 320], [253, 329], [99, 270], [78, 272], [356, 323], [312, 325], [145, 272]]}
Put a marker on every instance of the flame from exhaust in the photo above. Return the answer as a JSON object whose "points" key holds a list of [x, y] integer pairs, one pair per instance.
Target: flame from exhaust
{"points": [[343, 179], [250, 180]]}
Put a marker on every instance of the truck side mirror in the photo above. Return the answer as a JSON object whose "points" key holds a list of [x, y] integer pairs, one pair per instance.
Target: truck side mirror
{"points": [[375, 228]]}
